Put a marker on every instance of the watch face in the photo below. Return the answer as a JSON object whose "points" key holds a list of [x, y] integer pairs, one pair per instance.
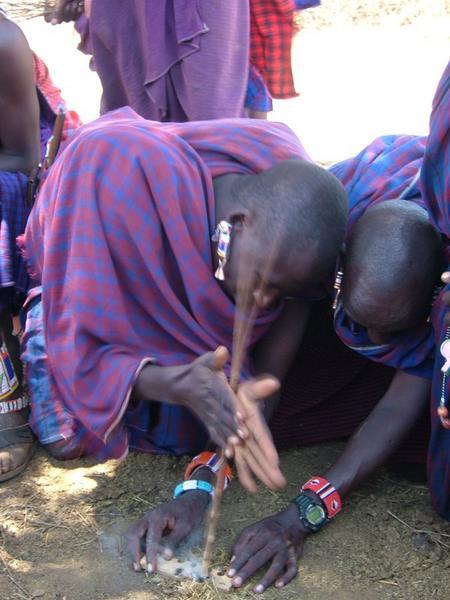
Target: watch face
{"points": [[315, 515]]}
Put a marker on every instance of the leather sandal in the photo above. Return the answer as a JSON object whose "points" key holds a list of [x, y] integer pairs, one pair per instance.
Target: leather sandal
{"points": [[15, 435]]}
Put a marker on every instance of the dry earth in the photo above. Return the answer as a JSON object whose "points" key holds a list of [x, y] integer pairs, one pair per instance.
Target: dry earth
{"points": [[59, 534], [364, 68]]}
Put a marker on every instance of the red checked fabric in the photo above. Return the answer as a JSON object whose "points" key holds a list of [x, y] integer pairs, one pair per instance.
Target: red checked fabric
{"points": [[272, 28], [327, 493]]}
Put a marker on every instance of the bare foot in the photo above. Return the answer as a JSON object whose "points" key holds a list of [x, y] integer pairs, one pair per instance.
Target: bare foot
{"points": [[68, 449], [12, 457]]}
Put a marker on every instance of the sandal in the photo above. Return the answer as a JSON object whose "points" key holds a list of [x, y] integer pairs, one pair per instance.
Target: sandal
{"points": [[16, 435]]}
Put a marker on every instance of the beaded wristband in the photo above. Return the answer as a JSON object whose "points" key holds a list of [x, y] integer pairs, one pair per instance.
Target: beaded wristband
{"points": [[193, 484], [327, 493], [211, 461]]}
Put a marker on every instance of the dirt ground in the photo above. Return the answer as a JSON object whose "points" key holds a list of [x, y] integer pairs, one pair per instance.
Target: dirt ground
{"points": [[60, 524], [59, 534]]}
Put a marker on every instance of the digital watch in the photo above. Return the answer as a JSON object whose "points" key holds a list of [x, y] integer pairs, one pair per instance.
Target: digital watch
{"points": [[315, 510]]}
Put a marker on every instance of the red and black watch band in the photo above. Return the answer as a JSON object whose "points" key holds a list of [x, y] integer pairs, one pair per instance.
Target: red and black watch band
{"points": [[327, 493]]}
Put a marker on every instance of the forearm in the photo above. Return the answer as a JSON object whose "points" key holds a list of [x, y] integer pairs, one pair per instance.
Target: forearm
{"points": [[275, 353], [154, 383], [381, 433]]}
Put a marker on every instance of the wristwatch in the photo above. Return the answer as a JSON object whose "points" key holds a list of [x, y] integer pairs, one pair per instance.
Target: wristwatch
{"points": [[315, 510], [311, 511]]}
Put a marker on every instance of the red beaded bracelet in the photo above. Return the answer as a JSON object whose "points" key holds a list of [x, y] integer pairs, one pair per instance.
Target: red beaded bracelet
{"points": [[211, 461], [326, 492]]}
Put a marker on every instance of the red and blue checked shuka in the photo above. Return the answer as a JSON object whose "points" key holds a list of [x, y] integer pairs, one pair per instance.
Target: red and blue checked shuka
{"points": [[388, 169], [272, 29], [120, 239], [435, 187]]}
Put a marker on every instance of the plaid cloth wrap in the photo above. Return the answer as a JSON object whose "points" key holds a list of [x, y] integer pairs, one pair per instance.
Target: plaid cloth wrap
{"points": [[386, 170], [435, 186], [272, 29], [13, 218], [125, 217]]}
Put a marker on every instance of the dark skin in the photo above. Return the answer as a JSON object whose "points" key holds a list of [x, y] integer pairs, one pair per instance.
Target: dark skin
{"points": [[19, 152], [19, 106]]}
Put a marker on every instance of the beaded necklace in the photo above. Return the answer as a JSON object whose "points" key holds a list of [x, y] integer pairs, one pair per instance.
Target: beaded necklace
{"points": [[445, 351]]}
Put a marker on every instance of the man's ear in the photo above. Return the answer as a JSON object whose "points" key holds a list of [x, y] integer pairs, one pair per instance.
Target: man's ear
{"points": [[238, 217]]}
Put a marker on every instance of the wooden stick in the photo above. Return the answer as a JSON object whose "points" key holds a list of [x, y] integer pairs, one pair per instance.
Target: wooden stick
{"points": [[243, 324], [213, 517], [245, 316]]}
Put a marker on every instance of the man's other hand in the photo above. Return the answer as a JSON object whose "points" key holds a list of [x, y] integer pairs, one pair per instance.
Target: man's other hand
{"points": [[257, 457], [277, 540], [165, 527]]}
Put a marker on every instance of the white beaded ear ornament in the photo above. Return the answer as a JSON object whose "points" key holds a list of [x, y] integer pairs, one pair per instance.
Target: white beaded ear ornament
{"points": [[337, 286], [222, 236]]}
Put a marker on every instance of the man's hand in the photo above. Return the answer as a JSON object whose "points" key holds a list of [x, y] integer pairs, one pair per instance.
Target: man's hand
{"points": [[165, 527], [234, 421], [64, 11], [277, 540], [203, 388], [257, 456]]}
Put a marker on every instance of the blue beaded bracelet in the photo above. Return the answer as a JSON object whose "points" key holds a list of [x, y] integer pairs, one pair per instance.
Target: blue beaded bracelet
{"points": [[193, 484]]}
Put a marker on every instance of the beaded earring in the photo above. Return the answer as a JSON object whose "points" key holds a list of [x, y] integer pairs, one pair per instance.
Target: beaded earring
{"points": [[337, 286], [222, 236]]}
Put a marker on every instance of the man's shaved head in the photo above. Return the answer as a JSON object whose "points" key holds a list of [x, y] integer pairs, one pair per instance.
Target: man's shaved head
{"points": [[294, 215], [393, 261], [301, 203]]}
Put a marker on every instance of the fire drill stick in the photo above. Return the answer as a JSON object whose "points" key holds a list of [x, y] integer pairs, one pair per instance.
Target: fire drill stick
{"points": [[213, 517]]}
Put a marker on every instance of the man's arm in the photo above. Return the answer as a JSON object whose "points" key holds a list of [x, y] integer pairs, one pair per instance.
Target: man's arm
{"points": [[19, 106], [276, 351], [279, 539], [382, 432]]}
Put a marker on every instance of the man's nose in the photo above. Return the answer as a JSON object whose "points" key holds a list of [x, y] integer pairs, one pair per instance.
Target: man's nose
{"points": [[265, 298]]}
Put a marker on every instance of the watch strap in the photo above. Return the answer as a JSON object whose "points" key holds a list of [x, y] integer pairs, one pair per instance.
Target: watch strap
{"points": [[327, 493]]}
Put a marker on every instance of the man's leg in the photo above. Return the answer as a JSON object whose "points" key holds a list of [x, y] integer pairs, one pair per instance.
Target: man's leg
{"points": [[16, 439]]}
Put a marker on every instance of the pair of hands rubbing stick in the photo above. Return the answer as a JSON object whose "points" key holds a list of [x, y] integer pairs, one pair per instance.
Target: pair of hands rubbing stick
{"points": [[181, 569]]}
